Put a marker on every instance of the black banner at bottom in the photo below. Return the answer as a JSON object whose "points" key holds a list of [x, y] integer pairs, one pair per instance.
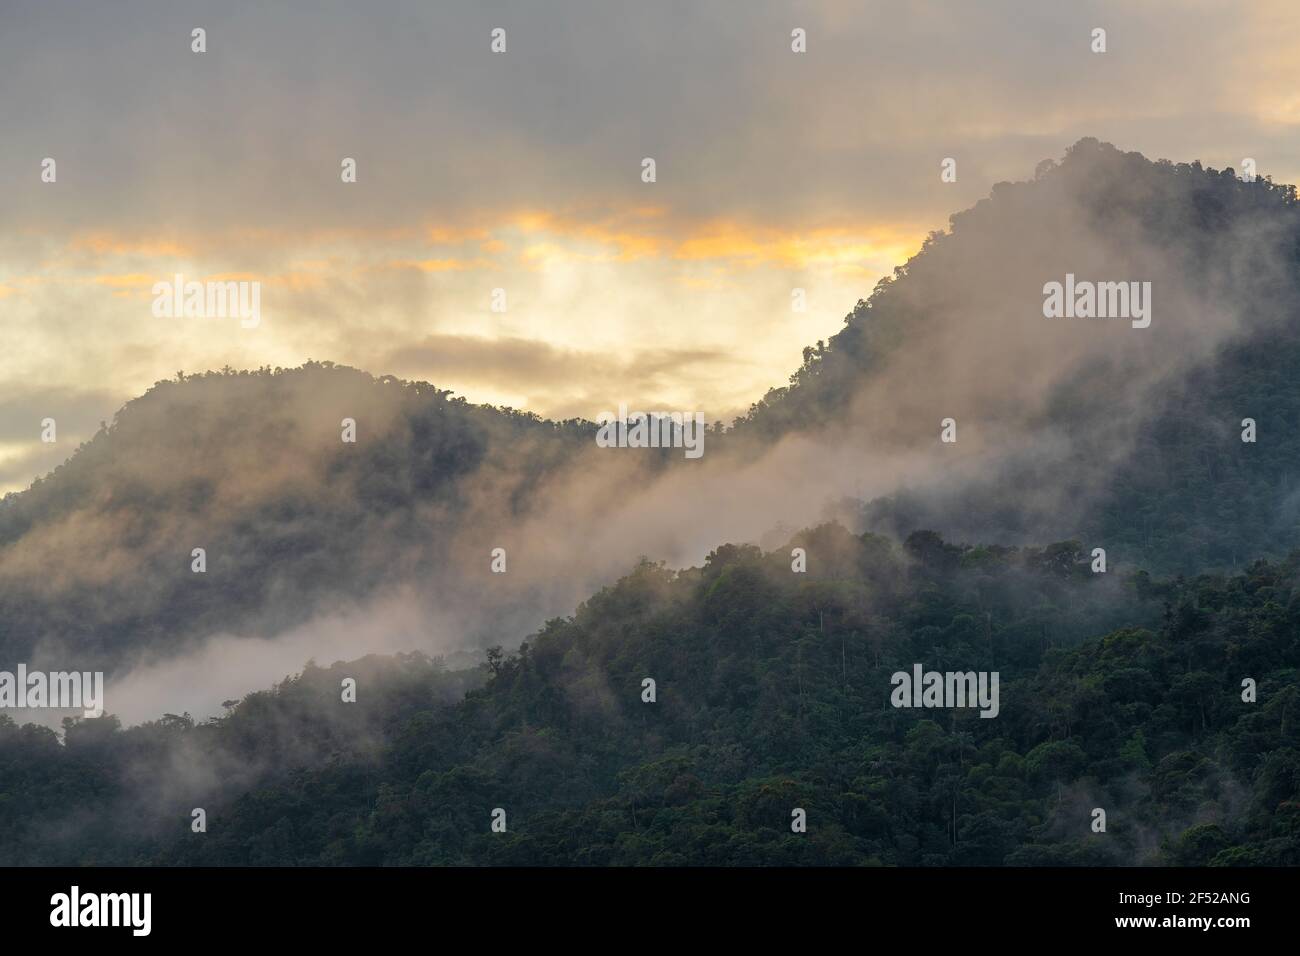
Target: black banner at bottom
{"points": [[334, 906]]}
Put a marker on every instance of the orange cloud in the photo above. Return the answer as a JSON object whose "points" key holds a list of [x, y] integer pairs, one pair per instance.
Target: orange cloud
{"points": [[622, 240], [838, 247], [592, 234], [129, 281], [106, 244], [440, 265]]}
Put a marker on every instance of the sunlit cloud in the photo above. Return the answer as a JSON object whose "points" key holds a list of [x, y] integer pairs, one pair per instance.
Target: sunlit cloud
{"points": [[522, 174]]}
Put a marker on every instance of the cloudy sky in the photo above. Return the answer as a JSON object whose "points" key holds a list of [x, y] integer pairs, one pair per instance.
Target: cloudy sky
{"points": [[522, 171]]}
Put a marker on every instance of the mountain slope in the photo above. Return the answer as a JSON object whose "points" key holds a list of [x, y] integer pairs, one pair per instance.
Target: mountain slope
{"points": [[96, 560], [773, 693], [1133, 439], [1122, 438]]}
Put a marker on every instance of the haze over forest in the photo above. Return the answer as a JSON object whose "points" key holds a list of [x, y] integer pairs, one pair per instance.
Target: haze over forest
{"points": [[996, 332], [1067, 429]]}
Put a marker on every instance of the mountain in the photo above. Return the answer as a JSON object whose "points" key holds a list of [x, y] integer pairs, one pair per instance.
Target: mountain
{"points": [[1161, 691], [773, 694], [1128, 438], [96, 559], [1083, 429]]}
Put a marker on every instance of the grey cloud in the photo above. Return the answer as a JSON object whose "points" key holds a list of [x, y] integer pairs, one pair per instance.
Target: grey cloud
{"points": [[251, 133], [530, 363], [77, 412]]}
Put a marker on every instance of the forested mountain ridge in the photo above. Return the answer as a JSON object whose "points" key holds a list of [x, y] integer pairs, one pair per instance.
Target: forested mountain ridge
{"points": [[96, 559], [1173, 204], [1128, 439], [1177, 490], [772, 693]]}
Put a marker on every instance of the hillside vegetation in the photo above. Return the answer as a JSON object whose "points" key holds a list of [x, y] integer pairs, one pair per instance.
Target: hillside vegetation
{"points": [[772, 693]]}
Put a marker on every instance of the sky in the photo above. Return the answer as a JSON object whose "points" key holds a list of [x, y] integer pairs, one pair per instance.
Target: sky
{"points": [[522, 171]]}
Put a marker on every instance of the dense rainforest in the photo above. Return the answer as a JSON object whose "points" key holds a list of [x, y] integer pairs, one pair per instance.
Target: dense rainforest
{"points": [[771, 692], [249, 466], [1161, 691]]}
